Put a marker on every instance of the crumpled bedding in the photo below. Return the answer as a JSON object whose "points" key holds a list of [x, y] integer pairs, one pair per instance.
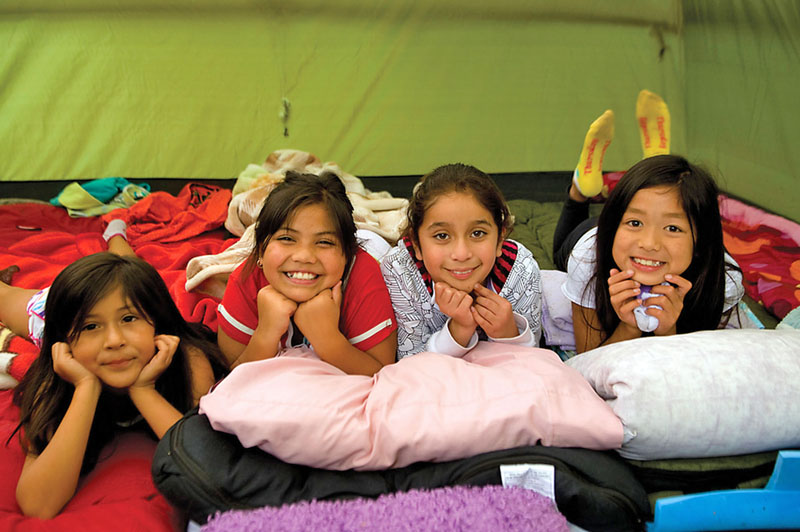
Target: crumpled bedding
{"points": [[767, 248], [165, 230], [376, 211], [42, 239]]}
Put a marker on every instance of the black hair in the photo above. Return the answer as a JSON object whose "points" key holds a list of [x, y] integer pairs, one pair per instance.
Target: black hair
{"points": [[44, 397], [457, 177], [299, 190], [698, 195]]}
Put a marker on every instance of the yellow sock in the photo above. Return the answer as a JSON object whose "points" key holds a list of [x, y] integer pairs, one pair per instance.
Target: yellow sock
{"points": [[652, 115], [588, 176]]}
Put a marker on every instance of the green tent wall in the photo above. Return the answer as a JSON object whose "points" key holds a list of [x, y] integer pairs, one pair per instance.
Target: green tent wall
{"points": [[197, 89]]}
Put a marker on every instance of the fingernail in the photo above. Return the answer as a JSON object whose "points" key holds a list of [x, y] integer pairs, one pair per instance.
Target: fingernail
{"points": [[668, 276]]}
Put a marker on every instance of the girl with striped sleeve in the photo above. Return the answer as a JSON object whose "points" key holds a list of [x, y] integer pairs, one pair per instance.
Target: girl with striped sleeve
{"points": [[454, 278]]}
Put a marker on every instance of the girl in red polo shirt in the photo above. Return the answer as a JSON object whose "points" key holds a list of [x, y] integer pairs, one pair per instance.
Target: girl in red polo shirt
{"points": [[307, 281]]}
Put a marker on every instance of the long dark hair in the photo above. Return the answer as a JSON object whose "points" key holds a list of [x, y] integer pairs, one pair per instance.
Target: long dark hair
{"points": [[457, 177], [299, 190], [43, 396], [703, 305]]}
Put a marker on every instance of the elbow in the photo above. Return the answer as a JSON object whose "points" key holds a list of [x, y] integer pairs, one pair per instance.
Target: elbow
{"points": [[41, 509]]}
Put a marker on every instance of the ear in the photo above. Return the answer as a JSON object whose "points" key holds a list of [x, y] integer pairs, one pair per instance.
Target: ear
{"points": [[501, 237], [417, 249]]}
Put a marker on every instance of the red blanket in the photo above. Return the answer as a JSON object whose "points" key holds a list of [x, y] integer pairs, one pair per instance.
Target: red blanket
{"points": [[767, 248], [164, 230], [42, 239], [118, 494]]}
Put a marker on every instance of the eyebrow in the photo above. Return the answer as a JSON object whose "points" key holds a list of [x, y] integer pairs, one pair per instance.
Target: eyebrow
{"points": [[677, 214], [436, 225], [128, 308], [291, 230]]}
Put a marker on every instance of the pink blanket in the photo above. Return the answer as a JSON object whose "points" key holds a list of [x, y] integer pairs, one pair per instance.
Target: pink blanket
{"points": [[428, 407]]}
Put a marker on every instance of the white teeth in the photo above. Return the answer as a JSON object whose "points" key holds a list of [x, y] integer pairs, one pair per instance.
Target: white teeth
{"points": [[646, 262], [305, 276]]}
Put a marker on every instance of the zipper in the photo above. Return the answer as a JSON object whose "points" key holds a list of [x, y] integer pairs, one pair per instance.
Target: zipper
{"points": [[210, 494], [618, 498]]}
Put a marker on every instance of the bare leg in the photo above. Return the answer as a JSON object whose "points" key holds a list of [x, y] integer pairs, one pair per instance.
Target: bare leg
{"points": [[117, 244], [14, 308]]}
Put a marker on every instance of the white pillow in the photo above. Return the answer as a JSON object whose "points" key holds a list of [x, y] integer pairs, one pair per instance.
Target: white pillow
{"points": [[708, 393]]}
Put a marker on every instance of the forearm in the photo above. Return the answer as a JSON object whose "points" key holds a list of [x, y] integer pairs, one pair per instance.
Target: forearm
{"points": [[337, 351], [524, 334], [156, 410], [413, 332], [48, 481], [621, 333], [460, 333], [442, 342], [260, 347], [202, 375]]}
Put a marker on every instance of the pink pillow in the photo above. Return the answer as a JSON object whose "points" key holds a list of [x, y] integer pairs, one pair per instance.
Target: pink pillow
{"points": [[427, 407]]}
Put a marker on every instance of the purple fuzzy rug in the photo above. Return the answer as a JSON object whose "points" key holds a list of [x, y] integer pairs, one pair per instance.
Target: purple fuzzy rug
{"points": [[489, 508]]}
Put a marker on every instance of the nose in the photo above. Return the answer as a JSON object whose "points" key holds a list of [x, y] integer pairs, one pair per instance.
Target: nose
{"points": [[304, 253], [649, 239], [114, 336], [461, 250]]}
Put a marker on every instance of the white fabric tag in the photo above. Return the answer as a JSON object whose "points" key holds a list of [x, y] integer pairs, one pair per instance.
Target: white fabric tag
{"points": [[540, 478]]}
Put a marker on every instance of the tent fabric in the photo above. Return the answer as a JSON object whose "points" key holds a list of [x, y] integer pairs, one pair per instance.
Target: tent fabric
{"points": [[198, 88], [195, 89]]}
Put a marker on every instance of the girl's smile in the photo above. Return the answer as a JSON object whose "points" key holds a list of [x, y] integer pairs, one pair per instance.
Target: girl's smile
{"points": [[654, 237], [119, 364], [461, 274], [458, 241], [301, 276], [304, 257]]}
